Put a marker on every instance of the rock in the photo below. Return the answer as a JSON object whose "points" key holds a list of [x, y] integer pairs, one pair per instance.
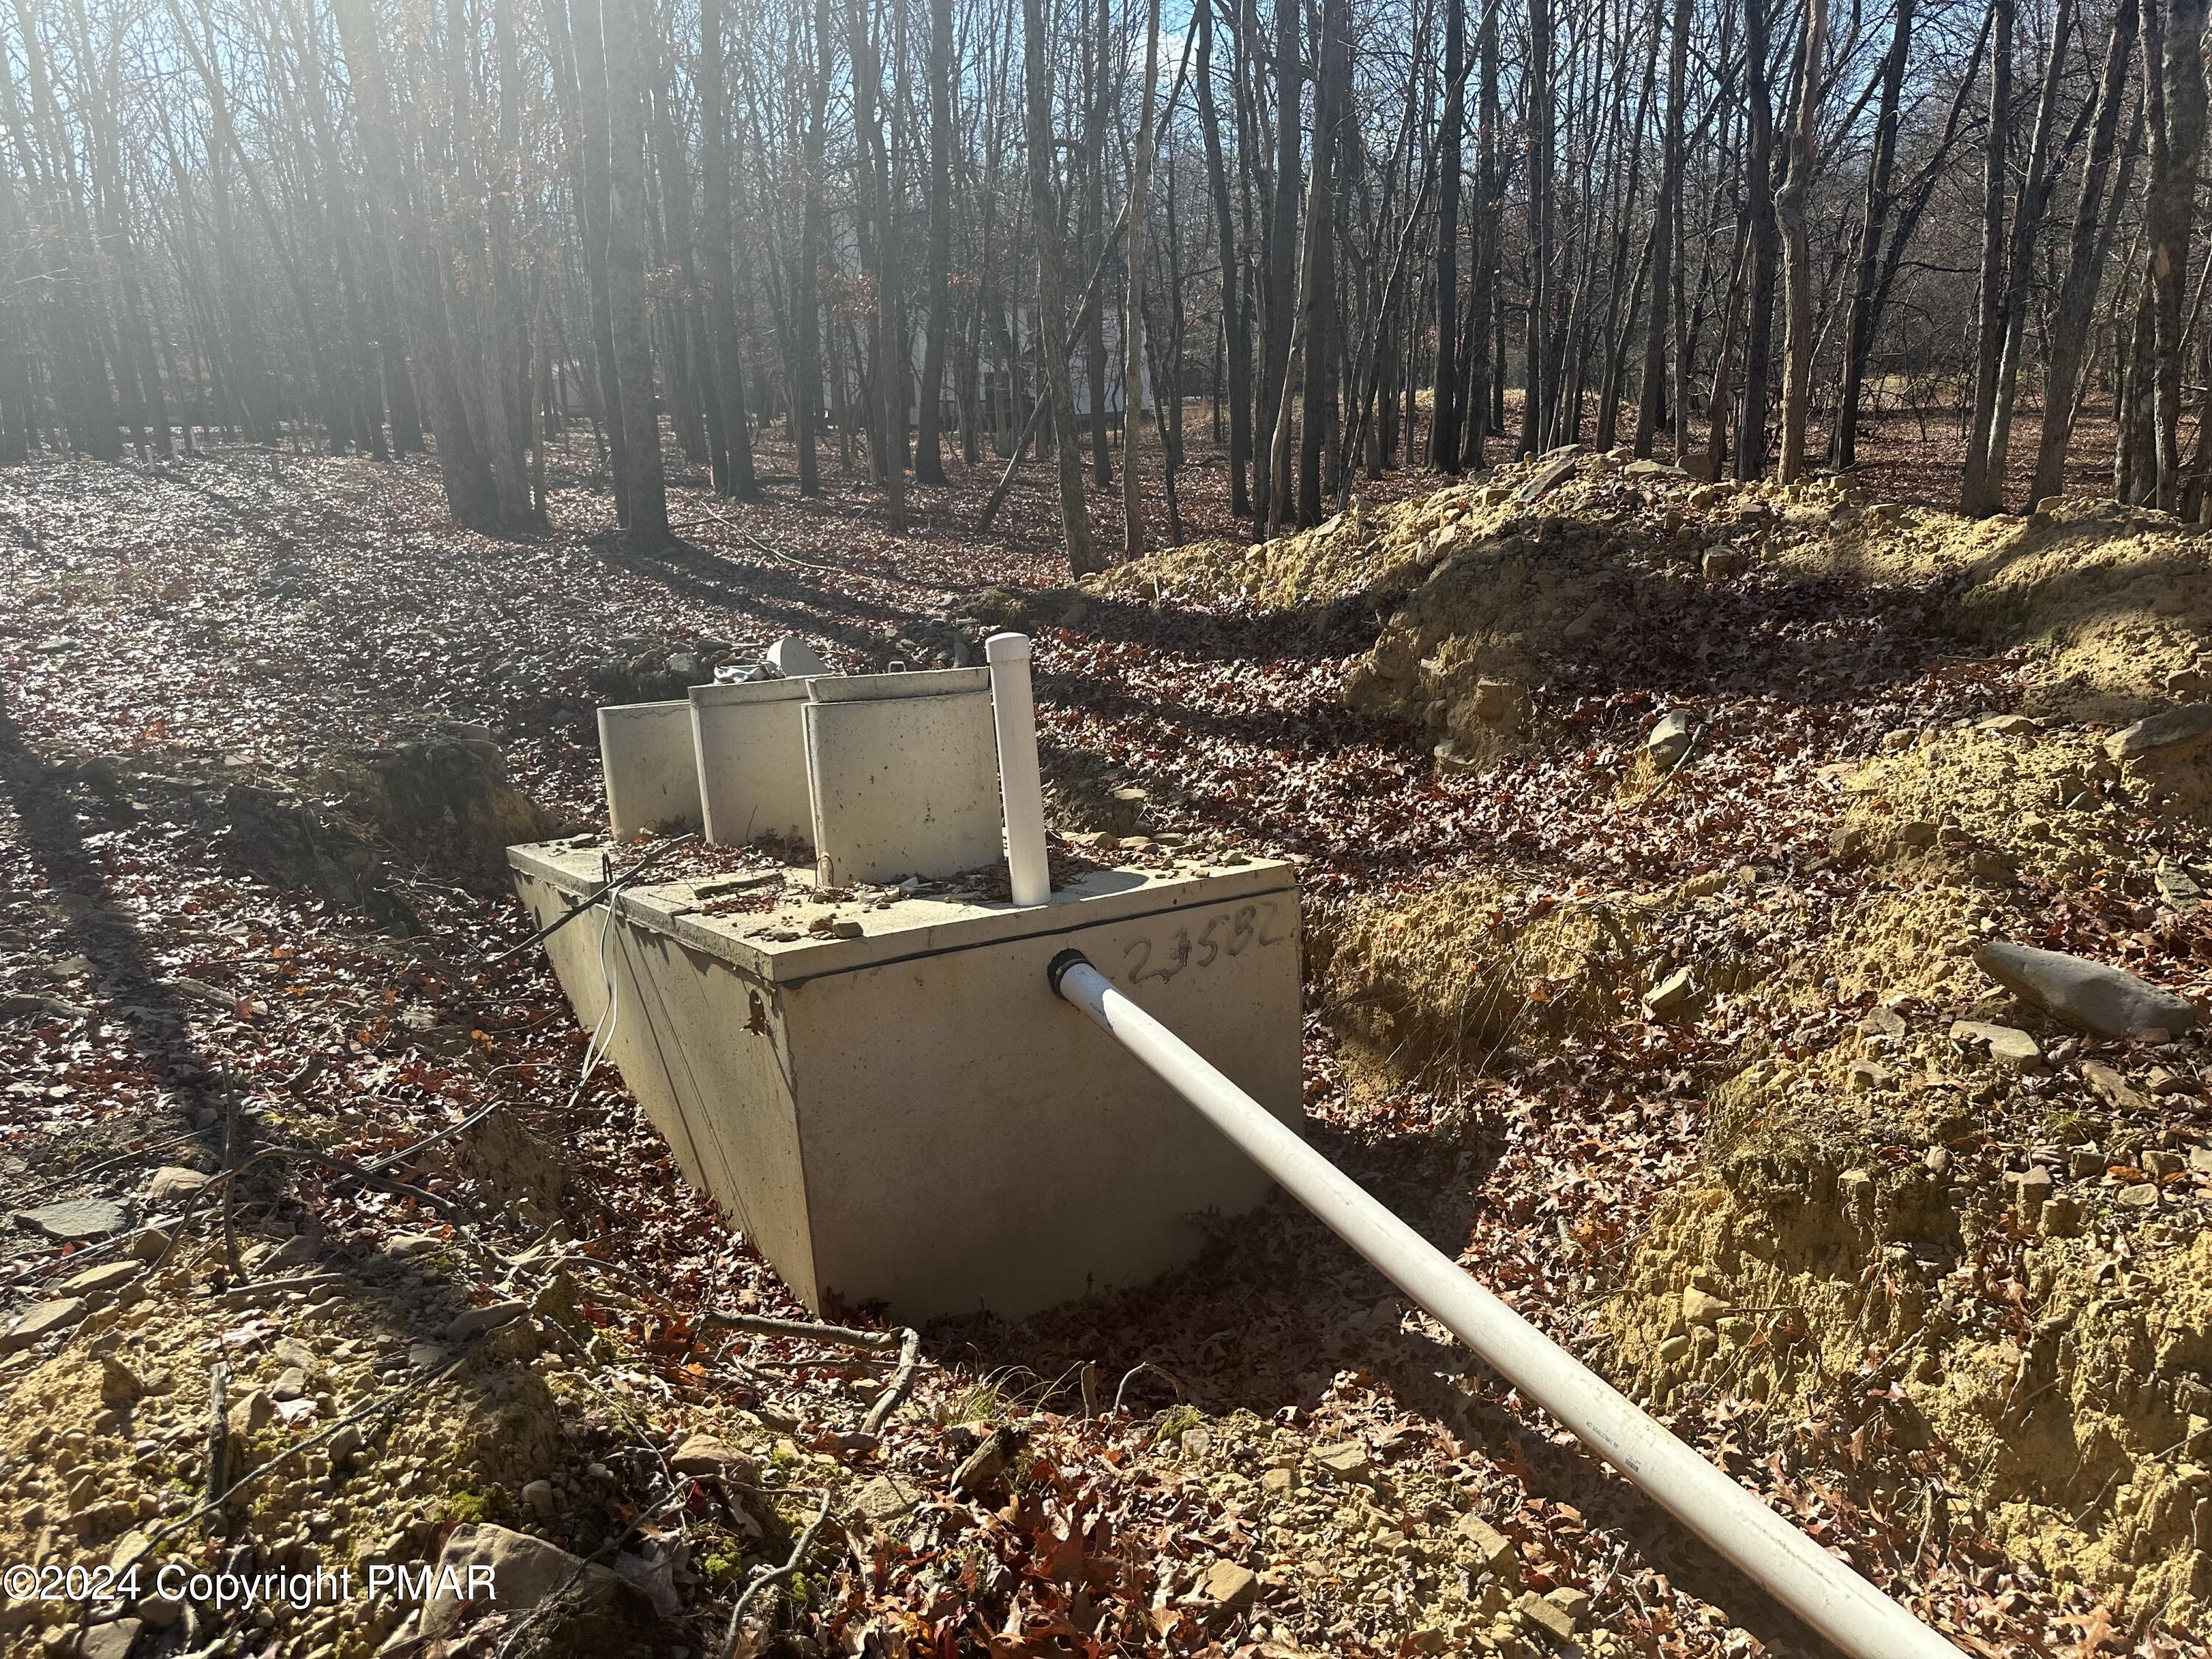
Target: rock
{"points": [[42, 1322], [290, 1385], [979, 1470], [2008, 1045], [1554, 1621], [119, 1384], [76, 1218], [1671, 995], [2161, 1082], [2172, 729], [2160, 1163], [537, 1497], [1720, 563], [252, 1413], [705, 1454], [1575, 1604], [1882, 1022], [793, 659], [425, 1356], [1347, 1459], [111, 1640], [2143, 1195], [2111, 1087], [2010, 725], [2033, 1191], [148, 1245], [1670, 739], [2087, 994], [1492, 1548], [1230, 1585], [1490, 700], [1278, 1482], [37, 1005], [1702, 1307], [2176, 886], [1864, 1077], [173, 1185], [2200, 1160], [514, 1572], [472, 1322], [403, 1245], [108, 1278], [885, 1499]]}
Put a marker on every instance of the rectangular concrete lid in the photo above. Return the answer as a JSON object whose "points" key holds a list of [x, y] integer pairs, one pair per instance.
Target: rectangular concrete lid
{"points": [[750, 691], [923, 682], [775, 944]]}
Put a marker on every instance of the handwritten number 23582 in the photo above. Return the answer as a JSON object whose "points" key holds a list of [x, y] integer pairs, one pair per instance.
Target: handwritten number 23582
{"points": [[1231, 934]]}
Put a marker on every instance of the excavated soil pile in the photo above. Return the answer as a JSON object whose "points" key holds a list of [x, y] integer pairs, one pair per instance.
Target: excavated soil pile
{"points": [[1948, 1239]]}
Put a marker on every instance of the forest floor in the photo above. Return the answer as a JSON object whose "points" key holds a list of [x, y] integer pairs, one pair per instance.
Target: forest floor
{"points": [[252, 905]]}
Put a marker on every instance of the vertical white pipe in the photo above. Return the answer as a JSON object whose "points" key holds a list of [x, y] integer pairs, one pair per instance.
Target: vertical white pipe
{"points": [[1800, 1574], [1013, 710]]}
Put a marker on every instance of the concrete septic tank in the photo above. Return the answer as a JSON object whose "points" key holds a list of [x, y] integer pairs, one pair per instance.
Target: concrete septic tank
{"points": [[750, 743], [903, 770], [651, 772], [909, 1116]]}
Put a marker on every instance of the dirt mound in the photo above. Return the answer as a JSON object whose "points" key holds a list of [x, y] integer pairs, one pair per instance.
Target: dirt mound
{"points": [[1358, 551], [448, 790], [1963, 1284], [289, 842], [1416, 984]]}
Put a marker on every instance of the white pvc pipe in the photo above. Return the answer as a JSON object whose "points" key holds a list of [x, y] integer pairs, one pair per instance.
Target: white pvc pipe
{"points": [[1013, 709], [1823, 1591]]}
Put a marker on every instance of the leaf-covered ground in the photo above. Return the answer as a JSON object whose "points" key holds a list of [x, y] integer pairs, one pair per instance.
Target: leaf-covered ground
{"points": [[217, 940]]}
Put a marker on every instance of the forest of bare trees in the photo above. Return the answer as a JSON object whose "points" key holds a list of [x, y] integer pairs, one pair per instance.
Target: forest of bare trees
{"points": [[1348, 235]]}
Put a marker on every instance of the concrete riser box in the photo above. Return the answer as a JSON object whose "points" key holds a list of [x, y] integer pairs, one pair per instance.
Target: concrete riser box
{"points": [[911, 1116]]}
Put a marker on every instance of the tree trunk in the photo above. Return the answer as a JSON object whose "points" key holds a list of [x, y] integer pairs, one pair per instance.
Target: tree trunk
{"points": [[1444, 417], [2085, 262], [928, 459], [1989, 336], [734, 475], [622, 28], [1132, 311], [1051, 304], [1789, 212], [1764, 248], [1234, 329]]}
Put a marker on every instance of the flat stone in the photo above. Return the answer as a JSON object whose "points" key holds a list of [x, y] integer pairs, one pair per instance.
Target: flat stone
{"points": [[77, 1218], [2143, 1195], [42, 1322], [1671, 994], [2089, 995], [2111, 1087], [472, 1322], [1492, 1548], [1702, 1307], [525, 1571], [175, 1184], [1669, 739], [1347, 1460], [885, 1499], [1575, 1604], [111, 1640], [2010, 725], [2008, 1045], [1230, 1585], [707, 1454], [537, 1497], [1548, 1617], [108, 1277], [290, 1385], [37, 1005], [2173, 729]]}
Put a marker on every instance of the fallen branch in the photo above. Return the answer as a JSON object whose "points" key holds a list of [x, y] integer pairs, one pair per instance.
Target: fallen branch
{"points": [[774, 1576], [901, 1384]]}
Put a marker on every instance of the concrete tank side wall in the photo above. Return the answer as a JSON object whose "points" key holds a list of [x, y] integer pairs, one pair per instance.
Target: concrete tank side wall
{"points": [[750, 757], [904, 786], [650, 769], [970, 1141]]}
